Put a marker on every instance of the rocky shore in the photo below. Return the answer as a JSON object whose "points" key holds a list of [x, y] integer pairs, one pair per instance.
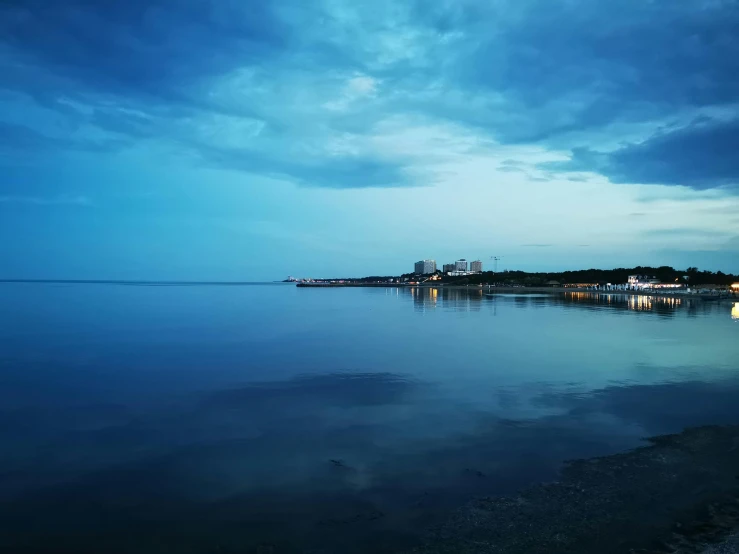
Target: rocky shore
{"points": [[680, 494]]}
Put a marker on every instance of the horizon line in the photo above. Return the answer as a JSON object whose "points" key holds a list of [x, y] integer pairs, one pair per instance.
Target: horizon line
{"points": [[132, 282]]}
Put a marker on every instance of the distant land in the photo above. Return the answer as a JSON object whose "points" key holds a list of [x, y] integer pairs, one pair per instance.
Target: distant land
{"points": [[691, 276]]}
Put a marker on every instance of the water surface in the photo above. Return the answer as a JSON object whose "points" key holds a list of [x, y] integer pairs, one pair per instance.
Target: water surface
{"points": [[268, 418]]}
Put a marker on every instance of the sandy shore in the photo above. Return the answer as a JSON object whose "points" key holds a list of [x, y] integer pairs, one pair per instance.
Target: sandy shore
{"points": [[680, 494]]}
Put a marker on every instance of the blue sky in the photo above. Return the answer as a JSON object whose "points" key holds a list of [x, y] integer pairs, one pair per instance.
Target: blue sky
{"points": [[189, 139]]}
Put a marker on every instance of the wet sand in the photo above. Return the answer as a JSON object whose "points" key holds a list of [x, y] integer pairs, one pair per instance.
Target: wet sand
{"points": [[680, 494]]}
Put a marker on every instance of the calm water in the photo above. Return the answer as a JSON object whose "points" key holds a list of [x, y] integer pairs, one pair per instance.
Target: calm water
{"points": [[205, 419]]}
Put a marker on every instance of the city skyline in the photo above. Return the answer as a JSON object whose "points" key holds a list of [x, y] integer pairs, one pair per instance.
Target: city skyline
{"points": [[428, 266], [220, 141]]}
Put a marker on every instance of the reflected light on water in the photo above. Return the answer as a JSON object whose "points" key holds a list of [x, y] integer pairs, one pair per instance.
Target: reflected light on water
{"points": [[642, 303], [735, 311], [639, 303]]}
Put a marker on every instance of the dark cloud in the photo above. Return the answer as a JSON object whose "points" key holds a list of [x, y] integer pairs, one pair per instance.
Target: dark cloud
{"points": [[151, 47], [589, 64], [340, 172], [147, 69], [701, 155], [568, 75], [571, 74]]}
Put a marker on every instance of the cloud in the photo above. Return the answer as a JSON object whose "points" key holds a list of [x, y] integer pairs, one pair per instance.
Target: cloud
{"points": [[701, 156], [342, 172], [62, 200], [19, 139], [581, 65], [192, 74], [356, 88], [279, 82], [684, 232], [139, 48]]}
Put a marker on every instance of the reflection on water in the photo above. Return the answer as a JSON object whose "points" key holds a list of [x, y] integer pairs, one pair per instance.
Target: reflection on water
{"points": [[460, 300], [334, 421], [640, 303], [661, 305], [474, 298]]}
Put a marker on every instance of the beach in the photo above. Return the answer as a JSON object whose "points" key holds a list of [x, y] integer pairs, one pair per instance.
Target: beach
{"points": [[679, 494]]}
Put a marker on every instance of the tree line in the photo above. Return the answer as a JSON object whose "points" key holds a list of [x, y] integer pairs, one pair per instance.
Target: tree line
{"points": [[666, 274]]}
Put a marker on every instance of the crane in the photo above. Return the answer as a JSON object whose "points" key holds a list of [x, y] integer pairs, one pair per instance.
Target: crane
{"points": [[495, 266]]}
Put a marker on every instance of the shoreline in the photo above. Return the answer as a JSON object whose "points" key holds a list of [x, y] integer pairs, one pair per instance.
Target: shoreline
{"points": [[679, 494], [511, 290]]}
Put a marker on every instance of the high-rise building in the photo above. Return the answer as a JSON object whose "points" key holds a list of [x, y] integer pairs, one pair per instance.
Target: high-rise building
{"points": [[460, 265], [448, 268], [476, 266], [425, 267]]}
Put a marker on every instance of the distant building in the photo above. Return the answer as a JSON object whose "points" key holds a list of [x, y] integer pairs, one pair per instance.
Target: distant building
{"points": [[735, 286], [448, 268], [476, 266], [425, 267], [460, 265], [641, 281]]}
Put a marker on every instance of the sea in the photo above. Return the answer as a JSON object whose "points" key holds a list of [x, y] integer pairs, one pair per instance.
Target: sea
{"points": [[267, 418]]}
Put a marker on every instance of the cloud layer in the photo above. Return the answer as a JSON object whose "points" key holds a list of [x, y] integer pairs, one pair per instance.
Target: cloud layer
{"points": [[640, 92]]}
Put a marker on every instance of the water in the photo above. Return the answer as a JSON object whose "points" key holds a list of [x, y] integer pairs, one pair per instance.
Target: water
{"points": [[268, 418]]}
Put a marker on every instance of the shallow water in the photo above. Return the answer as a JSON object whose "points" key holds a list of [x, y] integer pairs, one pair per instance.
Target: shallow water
{"points": [[268, 418]]}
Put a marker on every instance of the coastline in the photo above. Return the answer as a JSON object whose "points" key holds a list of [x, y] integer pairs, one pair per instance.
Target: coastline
{"points": [[507, 290], [679, 494]]}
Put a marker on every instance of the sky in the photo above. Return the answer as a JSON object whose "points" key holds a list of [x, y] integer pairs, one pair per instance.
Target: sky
{"points": [[244, 140]]}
